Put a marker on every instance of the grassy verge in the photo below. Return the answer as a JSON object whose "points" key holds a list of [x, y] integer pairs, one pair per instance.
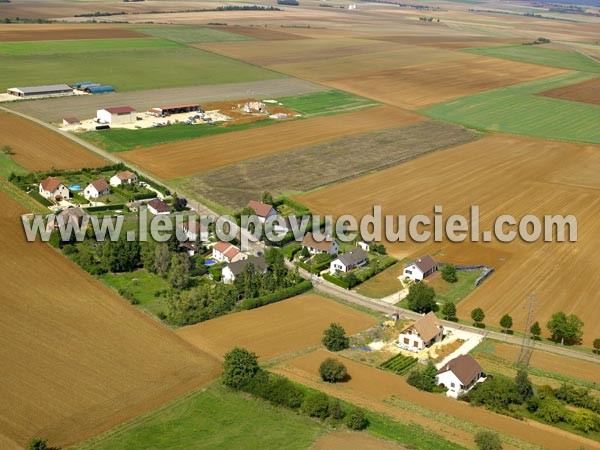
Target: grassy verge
{"points": [[143, 286], [8, 166]]}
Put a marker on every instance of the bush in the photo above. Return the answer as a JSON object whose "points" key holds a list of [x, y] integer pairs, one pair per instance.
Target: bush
{"points": [[336, 281], [488, 440], [282, 294], [280, 391], [585, 420], [335, 409], [424, 379], [495, 393], [239, 368], [316, 405], [449, 273], [356, 420], [335, 339], [551, 411], [38, 444], [478, 316], [332, 370]]}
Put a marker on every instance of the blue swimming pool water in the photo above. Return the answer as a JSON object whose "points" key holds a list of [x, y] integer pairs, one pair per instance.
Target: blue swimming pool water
{"points": [[209, 262], [75, 187]]}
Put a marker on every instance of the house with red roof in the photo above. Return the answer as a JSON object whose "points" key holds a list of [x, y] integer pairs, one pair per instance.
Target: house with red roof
{"points": [[226, 252], [52, 188]]}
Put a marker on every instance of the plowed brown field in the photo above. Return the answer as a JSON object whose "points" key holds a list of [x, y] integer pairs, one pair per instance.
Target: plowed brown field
{"points": [[343, 440], [277, 329], [587, 92], [185, 158], [371, 387], [76, 358], [503, 175], [260, 33], [38, 148], [65, 33]]}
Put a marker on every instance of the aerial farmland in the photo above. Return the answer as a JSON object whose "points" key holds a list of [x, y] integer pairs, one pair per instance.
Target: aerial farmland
{"points": [[169, 172]]}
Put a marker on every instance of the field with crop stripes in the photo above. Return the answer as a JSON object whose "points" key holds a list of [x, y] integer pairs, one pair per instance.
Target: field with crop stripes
{"points": [[399, 364]]}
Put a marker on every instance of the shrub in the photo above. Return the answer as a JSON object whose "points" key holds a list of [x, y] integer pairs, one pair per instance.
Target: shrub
{"points": [[524, 386], [449, 273], [335, 339], [332, 370], [316, 404], [478, 316], [336, 281], [585, 420], [38, 444], [449, 310], [533, 404], [488, 440], [424, 379], [282, 294], [335, 409], [495, 393], [356, 420], [239, 368], [551, 411]]}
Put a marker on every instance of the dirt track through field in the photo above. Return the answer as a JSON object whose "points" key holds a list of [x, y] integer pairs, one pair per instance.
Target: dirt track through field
{"points": [[501, 174], [370, 387], [186, 158], [38, 148], [76, 358], [277, 329]]}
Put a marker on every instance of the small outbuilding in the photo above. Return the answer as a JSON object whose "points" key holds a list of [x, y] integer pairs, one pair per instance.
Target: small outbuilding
{"points": [[120, 114], [71, 121]]}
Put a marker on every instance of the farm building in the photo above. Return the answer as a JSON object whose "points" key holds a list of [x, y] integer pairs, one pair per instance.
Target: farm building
{"points": [[234, 269], [420, 268], [176, 109], [423, 333], [125, 177], [32, 91], [52, 188], [71, 121], [120, 114], [348, 261], [193, 230], [459, 375], [100, 89], [262, 210], [327, 245], [226, 252], [96, 189], [156, 207]]}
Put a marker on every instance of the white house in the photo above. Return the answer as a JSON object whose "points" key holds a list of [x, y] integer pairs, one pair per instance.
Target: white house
{"points": [[263, 210], [53, 188], [420, 268], [423, 333], [156, 207], [96, 189], [327, 245], [125, 177], [226, 252], [120, 114], [348, 261], [234, 269], [459, 375], [365, 245]]}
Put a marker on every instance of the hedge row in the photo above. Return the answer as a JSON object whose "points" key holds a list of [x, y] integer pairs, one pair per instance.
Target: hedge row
{"points": [[365, 275], [40, 199], [335, 280], [106, 207], [282, 294]]}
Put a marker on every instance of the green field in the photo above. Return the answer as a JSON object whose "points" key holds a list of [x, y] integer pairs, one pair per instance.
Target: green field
{"points": [[142, 285], [130, 71], [539, 55], [82, 46], [518, 110], [217, 419], [8, 166], [326, 103], [192, 35]]}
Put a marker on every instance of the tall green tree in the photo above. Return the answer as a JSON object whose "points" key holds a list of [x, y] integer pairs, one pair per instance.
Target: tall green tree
{"points": [[524, 386], [335, 339], [449, 310], [332, 370], [449, 273], [478, 316], [162, 258], [267, 198], [506, 322], [536, 330], [179, 271], [565, 329], [421, 298], [240, 366]]}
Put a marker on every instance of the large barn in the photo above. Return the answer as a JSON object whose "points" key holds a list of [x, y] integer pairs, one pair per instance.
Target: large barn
{"points": [[120, 114], [32, 91]]}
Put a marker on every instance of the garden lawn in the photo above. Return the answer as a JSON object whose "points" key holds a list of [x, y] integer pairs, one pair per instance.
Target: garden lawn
{"points": [[214, 419], [143, 285], [538, 54], [82, 46], [518, 110], [192, 35], [454, 292], [383, 284], [130, 70], [325, 103], [8, 166]]}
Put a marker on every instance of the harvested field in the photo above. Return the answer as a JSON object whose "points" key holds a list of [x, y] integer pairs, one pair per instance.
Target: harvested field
{"points": [[587, 92], [342, 440], [449, 41], [418, 86], [260, 33], [373, 388], [191, 35], [502, 174], [38, 148], [65, 33], [78, 359], [235, 185], [181, 159], [277, 329], [82, 106]]}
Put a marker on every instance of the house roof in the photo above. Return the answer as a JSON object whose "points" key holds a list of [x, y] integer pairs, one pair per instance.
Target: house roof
{"points": [[231, 252], [353, 257], [126, 175], [44, 88], [428, 326], [50, 184], [465, 367], [221, 246], [238, 267], [120, 110], [425, 263], [159, 205], [261, 209], [100, 184], [324, 245]]}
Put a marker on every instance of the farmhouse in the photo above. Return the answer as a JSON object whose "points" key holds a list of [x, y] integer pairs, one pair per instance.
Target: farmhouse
{"points": [[459, 375], [71, 121], [234, 269], [226, 252], [126, 177], [96, 189], [348, 261], [328, 245], [52, 188], [262, 210], [164, 111], [120, 114], [32, 91], [420, 268], [423, 333], [157, 206]]}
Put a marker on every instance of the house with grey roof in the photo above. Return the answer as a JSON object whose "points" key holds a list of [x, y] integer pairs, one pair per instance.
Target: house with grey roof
{"points": [[348, 261], [420, 268], [234, 269]]}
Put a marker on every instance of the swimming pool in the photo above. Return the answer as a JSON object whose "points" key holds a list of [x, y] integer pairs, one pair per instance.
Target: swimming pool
{"points": [[75, 187], [209, 262]]}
